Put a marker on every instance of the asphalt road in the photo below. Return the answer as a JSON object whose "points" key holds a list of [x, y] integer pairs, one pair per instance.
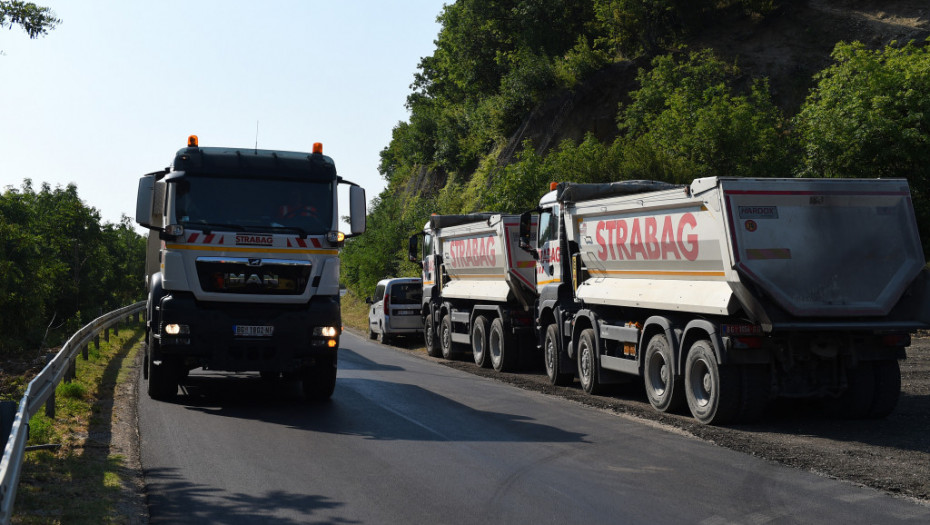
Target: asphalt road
{"points": [[406, 440]]}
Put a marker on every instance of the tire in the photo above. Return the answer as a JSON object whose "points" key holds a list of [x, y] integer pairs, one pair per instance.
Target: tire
{"points": [[664, 386], [371, 333], [429, 337], [445, 336], [163, 378], [755, 392], [588, 369], [505, 353], [383, 338], [887, 388], [552, 358], [479, 342], [856, 401], [319, 379], [712, 390]]}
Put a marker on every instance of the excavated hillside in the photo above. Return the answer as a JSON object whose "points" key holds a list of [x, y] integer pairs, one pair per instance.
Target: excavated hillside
{"points": [[788, 47]]}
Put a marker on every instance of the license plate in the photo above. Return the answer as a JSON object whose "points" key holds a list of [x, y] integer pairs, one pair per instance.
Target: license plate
{"points": [[406, 312], [245, 330]]}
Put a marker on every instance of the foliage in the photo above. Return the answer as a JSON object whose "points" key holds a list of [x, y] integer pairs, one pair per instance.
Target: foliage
{"points": [[36, 21], [59, 267], [869, 116], [689, 119]]}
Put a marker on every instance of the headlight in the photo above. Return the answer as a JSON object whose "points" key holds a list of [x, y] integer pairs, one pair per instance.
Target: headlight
{"points": [[175, 329], [326, 331]]}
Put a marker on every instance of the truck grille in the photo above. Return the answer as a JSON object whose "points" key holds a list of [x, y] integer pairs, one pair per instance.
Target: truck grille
{"points": [[238, 275]]}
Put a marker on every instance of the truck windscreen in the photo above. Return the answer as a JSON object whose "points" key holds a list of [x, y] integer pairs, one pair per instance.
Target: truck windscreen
{"points": [[254, 204]]}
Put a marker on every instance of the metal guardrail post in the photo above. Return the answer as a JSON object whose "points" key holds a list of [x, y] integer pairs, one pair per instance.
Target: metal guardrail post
{"points": [[84, 352]]}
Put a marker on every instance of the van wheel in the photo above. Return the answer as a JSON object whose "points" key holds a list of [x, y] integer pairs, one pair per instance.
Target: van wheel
{"points": [[712, 390], [429, 337], [664, 387], [552, 358], [445, 336], [383, 338], [371, 333], [587, 363], [479, 342], [505, 353]]}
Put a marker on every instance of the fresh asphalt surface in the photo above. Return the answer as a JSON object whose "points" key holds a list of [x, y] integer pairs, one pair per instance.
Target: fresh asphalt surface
{"points": [[407, 440]]}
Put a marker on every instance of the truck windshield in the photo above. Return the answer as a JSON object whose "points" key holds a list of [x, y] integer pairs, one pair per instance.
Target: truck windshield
{"points": [[254, 204]]}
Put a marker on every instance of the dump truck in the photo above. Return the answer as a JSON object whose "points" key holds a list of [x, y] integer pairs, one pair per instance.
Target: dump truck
{"points": [[242, 265], [479, 288], [728, 292]]}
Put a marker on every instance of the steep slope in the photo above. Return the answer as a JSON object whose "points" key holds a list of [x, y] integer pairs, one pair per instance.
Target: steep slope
{"points": [[788, 48]]}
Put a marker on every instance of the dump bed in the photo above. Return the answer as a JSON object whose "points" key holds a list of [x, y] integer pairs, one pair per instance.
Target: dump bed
{"points": [[814, 247], [483, 260]]}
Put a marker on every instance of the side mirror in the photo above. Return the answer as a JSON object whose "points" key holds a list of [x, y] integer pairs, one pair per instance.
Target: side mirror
{"points": [[357, 210], [413, 250], [368, 300], [526, 229], [144, 200]]}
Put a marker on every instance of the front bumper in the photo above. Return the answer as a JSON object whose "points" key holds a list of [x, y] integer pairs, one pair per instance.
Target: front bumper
{"points": [[211, 341]]}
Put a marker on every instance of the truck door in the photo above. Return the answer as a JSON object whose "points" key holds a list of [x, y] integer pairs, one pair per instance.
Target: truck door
{"points": [[548, 265]]}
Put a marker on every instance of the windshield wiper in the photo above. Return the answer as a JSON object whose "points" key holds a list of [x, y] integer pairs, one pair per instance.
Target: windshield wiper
{"points": [[303, 233], [208, 227]]}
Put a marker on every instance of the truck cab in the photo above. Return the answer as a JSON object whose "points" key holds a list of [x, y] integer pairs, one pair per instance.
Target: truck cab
{"points": [[242, 266]]}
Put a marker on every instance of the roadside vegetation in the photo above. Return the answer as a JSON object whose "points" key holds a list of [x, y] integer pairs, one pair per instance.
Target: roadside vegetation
{"points": [[82, 478], [692, 114], [60, 267]]}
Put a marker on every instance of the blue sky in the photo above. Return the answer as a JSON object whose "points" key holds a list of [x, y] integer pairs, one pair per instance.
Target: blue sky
{"points": [[115, 90]]}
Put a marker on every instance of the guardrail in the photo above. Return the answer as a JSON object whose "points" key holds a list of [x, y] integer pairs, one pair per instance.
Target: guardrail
{"points": [[40, 390]]}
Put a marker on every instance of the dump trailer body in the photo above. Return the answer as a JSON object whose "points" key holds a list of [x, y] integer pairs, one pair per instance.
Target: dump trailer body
{"points": [[479, 288], [779, 250]]}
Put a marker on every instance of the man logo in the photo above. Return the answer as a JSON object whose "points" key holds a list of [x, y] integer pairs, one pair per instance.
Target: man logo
{"points": [[255, 262]]}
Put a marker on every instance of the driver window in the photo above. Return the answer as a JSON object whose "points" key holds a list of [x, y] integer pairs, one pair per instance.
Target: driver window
{"points": [[548, 226]]}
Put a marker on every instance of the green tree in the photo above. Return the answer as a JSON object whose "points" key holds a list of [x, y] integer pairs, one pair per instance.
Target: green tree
{"points": [[36, 21], [869, 116], [690, 119]]}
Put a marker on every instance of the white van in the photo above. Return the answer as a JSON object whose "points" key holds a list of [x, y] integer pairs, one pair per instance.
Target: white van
{"points": [[395, 308]]}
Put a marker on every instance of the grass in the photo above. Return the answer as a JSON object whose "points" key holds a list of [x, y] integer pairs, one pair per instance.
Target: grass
{"points": [[81, 481], [354, 312]]}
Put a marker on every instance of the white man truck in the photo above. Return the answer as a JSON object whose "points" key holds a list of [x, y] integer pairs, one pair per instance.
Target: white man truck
{"points": [[479, 288], [242, 265], [728, 292]]}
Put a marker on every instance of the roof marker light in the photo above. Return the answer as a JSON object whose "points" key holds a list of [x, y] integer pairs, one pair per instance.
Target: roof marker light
{"points": [[317, 148], [192, 141], [553, 186]]}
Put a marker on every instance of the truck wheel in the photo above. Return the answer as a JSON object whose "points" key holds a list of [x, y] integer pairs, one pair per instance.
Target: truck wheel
{"points": [[756, 387], [445, 336], [664, 387], [553, 360], [429, 337], [163, 378], [712, 390], [587, 363], [856, 401], [504, 351], [319, 379], [887, 387], [479, 342]]}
